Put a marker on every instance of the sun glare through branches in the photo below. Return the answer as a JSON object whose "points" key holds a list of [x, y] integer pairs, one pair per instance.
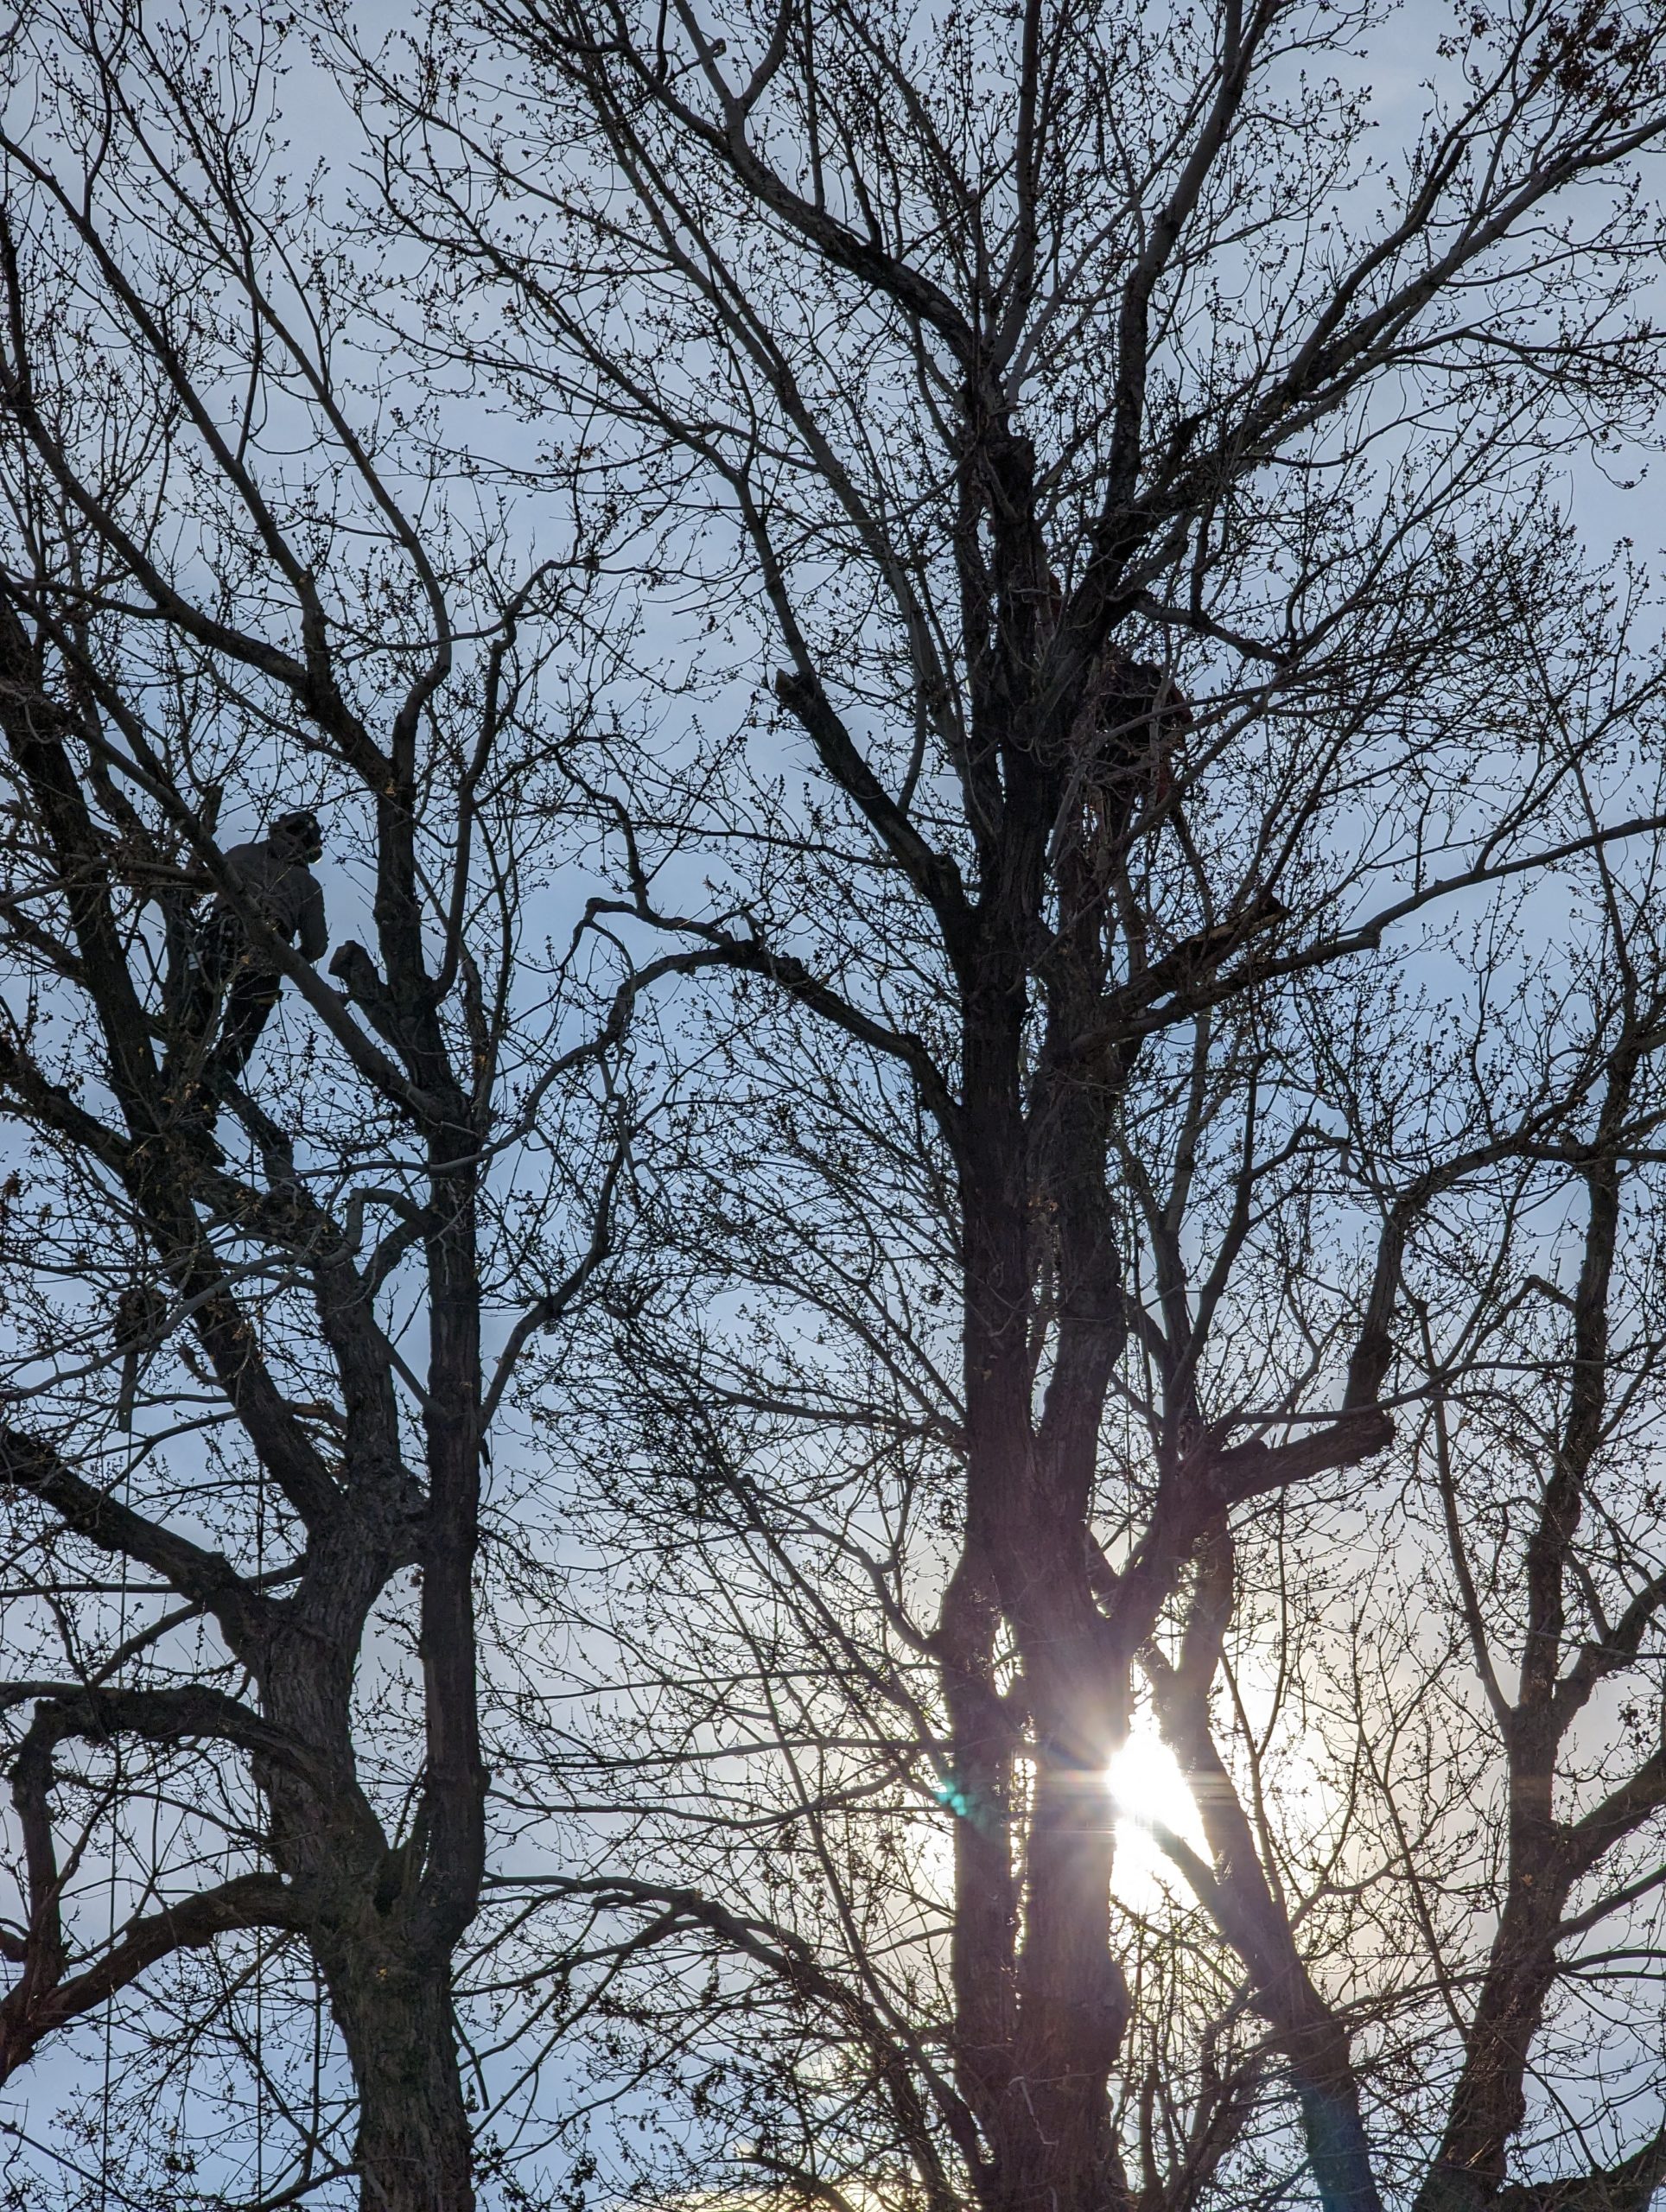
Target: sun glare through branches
{"points": [[1150, 1798]]}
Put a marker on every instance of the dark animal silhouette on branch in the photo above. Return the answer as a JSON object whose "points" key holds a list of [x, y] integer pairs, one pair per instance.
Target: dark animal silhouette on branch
{"points": [[1130, 736], [232, 984], [1135, 720]]}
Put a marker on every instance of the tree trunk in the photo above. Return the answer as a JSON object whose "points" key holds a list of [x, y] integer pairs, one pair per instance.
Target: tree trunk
{"points": [[1051, 2004], [1490, 2102], [415, 2142]]}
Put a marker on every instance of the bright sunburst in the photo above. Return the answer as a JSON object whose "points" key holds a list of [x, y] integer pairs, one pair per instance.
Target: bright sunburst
{"points": [[1148, 1790]]}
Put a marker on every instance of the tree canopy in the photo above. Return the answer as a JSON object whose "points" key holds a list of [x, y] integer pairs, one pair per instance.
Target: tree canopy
{"points": [[1006, 820]]}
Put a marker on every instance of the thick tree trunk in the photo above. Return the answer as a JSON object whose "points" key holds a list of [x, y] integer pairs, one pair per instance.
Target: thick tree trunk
{"points": [[415, 2145], [386, 1971], [1042, 2020]]}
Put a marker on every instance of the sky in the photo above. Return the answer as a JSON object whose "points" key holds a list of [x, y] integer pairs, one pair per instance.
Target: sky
{"points": [[1144, 1786]]}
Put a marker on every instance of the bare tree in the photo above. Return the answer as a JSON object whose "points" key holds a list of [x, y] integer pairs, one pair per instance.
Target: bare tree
{"points": [[1363, 1849], [1151, 503], [260, 1310]]}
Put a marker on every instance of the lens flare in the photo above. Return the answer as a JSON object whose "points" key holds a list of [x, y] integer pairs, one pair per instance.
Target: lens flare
{"points": [[1148, 1791]]}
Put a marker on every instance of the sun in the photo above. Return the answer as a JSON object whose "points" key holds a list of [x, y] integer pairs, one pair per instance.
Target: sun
{"points": [[1147, 1788], [1148, 1791]]}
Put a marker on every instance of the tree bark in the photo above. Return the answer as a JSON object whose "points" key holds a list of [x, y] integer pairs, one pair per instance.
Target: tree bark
{"points": [[415, 2142]]}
